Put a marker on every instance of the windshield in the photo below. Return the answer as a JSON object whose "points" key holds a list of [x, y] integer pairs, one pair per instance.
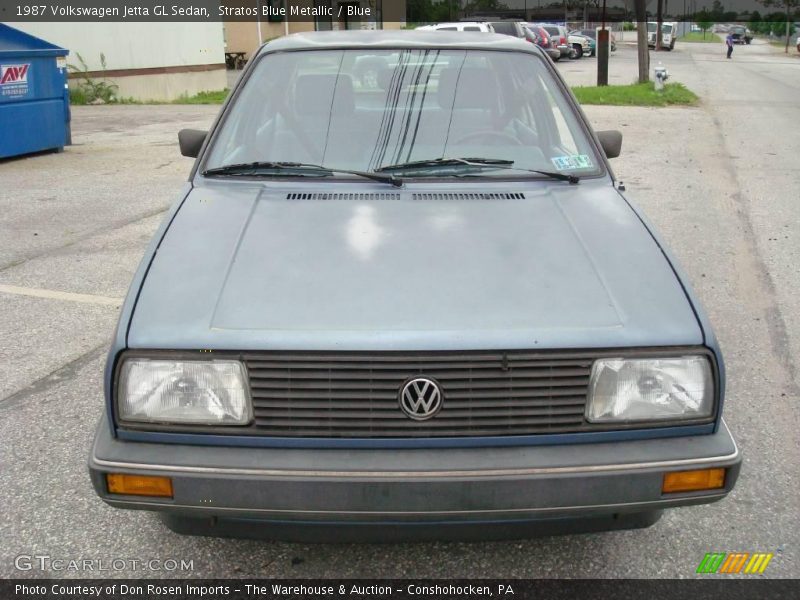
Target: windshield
{"points": [[665, 28], [367, 109]]}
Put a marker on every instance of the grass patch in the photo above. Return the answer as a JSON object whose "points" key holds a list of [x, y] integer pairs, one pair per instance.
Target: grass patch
{"points": [[781, 44], [697, 36], [637, 94], [77, 96], [215, 97]]}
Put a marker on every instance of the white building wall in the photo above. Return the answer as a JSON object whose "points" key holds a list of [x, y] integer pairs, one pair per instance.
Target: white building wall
{"points": [[136, 45], [128, 46]]}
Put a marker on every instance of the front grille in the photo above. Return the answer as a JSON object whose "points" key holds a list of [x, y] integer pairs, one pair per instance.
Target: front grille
{"points": [[355, 395]]}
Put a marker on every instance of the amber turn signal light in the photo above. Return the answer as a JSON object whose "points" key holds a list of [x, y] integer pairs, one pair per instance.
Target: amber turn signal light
{"points": [[139, 485], [693, 481]]}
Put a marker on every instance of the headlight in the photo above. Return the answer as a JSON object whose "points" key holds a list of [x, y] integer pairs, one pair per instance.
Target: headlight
{"points": [[642, 389], [202, 392]]}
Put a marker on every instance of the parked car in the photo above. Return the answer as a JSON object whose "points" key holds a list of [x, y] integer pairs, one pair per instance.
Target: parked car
{"points": [[545, 42], [741, 35], [587, 43], [509, 27], [561, 40], [527, 32], [425, 309], [580, 43], [668, 34], [592, 33], [458, 26]]}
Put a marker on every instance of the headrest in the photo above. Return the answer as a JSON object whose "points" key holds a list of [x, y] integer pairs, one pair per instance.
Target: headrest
{"points": [[477, 88], [313, 95]]}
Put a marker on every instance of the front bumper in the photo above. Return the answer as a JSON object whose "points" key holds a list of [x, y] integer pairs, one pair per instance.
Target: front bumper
{"points": [[411, 487]]}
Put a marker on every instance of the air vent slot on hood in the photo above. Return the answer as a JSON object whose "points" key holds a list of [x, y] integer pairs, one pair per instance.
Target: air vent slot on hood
{"points": [[470, 196], [342, 196]]}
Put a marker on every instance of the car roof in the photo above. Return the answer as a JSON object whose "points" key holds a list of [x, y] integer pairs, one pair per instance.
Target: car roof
{"points": [[457, 24], [462, 23], [403, 38]]}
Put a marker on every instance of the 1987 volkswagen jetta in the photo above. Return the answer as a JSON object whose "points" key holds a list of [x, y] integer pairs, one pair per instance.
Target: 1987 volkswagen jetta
{"points": [[414, 304]]}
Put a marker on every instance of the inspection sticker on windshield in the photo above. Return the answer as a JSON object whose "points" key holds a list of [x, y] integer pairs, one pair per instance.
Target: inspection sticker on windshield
{"points": [[576, 161]]}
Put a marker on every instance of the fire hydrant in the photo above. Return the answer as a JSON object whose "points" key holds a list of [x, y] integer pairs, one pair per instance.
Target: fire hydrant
{"points": [[661, 76]]}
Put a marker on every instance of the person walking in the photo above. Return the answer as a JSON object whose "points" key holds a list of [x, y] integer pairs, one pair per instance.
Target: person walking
{"points": [[729, 42]]}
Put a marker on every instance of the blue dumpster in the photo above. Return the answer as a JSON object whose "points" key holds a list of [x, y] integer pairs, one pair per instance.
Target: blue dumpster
{"points": [[34, 99]]}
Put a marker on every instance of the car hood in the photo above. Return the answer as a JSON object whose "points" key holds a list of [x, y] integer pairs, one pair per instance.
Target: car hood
{"points": [[242, 266]]}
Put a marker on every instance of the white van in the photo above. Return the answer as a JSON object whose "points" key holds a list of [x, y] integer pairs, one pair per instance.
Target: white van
{"points": [[459, 26], [669, 31]]}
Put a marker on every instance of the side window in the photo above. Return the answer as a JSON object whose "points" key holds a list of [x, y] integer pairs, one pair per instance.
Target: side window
{"points": [[471, 28], [447, 29]]}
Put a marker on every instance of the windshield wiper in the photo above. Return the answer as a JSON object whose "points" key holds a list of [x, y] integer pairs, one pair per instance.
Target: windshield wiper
{"points": [[446, 162], [552, 174], [295, 169], [484, 163]]}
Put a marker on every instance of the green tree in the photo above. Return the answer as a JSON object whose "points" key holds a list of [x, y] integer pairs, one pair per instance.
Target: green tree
{"points": [[704, 21], [717, 11], [432, 11], [789, 7], [484, 6]]}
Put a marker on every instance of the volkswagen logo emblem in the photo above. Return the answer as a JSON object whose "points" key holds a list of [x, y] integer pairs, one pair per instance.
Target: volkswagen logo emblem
{"points": [[421, 398]]}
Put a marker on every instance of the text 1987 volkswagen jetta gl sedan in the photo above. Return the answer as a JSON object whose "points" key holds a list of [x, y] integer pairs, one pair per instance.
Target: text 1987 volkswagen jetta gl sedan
{"points": [[414, 304]]}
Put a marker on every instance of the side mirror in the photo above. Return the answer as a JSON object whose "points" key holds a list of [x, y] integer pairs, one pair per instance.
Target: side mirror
{"points": [[611, 141], [190, 141]]}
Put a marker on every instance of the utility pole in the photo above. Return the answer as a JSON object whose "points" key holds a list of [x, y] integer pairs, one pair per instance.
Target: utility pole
{"points": [[641, 40], [659, 24], [603, 47]]}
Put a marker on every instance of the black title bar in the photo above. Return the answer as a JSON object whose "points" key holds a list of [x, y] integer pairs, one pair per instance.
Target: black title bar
{"points": [[363, 12], [733, 588]]}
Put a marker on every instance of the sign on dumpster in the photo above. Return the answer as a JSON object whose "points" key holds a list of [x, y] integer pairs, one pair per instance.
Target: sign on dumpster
{"points": [[14, 79]]}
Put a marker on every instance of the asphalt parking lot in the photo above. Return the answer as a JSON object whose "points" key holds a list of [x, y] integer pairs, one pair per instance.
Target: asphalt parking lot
{"points": [[719, 181]]}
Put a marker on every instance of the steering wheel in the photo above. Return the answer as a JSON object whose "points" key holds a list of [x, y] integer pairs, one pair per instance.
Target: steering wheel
{"points": [[499, 136]]}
